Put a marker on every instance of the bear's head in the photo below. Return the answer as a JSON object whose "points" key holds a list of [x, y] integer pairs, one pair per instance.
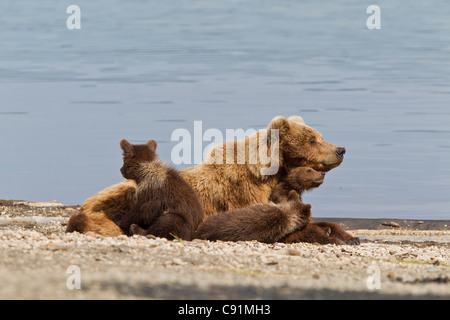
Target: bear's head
{"points": [[301, 145], [134, 156], [304, 178]]}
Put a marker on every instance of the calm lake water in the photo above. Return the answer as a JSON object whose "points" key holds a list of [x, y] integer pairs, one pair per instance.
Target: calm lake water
{"points": [[141, 69]]}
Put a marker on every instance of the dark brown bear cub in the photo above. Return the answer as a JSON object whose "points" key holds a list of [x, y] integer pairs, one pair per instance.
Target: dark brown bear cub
{"points": [[262, 222], [302, 179], [166, 205]]}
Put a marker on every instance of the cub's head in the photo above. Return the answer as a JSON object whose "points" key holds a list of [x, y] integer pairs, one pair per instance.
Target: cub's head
{"points": [[301, 145], [134, 155], [304, 178]]}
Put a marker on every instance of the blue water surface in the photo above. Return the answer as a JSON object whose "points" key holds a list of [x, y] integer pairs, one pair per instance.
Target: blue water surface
{"points": [[141, 69]]}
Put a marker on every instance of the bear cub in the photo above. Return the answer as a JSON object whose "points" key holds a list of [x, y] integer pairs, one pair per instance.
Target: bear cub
{"points": [[300, 179], [262, 222], [166, 205], [303, 179]]}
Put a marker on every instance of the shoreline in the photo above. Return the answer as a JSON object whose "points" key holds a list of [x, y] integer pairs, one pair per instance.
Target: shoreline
{"points": [[388, 223], [54, 208]]}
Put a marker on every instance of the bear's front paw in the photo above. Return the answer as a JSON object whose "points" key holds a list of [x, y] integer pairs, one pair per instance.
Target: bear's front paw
{"points": [[347, 241], [135, 229], [353, 241]]}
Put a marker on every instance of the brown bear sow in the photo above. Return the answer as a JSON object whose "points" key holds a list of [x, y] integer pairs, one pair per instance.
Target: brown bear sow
{"points": [[262, 222], [166, 205]]}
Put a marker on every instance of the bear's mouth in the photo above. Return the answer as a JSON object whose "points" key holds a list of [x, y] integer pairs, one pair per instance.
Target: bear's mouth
{"points": [[334, 164], [318, 166], [317, 182], [328, 166]]}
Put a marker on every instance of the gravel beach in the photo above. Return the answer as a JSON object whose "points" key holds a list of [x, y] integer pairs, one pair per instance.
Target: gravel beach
{"points": [[38, 260]]}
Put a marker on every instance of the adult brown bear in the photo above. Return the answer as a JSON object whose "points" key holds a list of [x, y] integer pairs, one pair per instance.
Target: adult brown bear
{"points": [[221, 185]]}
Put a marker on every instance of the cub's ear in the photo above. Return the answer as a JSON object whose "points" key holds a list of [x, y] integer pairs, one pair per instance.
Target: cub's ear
{"points": [[280, 123], [297, 119], [307, 207], [293, 195], [152, 144], [126, 147]]}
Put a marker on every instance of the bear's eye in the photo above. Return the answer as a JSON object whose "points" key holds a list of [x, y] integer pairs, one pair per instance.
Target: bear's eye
{"points": [[312, 141], [309, 171]]}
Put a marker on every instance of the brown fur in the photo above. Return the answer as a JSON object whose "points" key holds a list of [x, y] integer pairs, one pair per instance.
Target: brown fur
{"points": [[300, 179], [225, 187], [262, 222], [166, 205], [322, 233], [97, 213], [243, 184]]}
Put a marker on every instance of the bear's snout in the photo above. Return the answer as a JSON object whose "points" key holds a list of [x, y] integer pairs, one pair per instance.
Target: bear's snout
{"points": [[340, 152]]}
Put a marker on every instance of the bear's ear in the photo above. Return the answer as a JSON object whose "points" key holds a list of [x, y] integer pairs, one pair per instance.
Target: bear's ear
{"points": [[297, 119], [126, 147], [307, 207], [293, 195], [152, 144], [280, 123]]}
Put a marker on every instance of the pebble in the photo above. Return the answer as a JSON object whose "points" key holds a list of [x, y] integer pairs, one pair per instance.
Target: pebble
{"points": [[391, 224], [178, 262], [293, 252], [392, 275]]}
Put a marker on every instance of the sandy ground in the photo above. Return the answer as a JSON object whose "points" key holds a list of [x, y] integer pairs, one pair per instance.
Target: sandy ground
{"points": [[38, 260]]}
